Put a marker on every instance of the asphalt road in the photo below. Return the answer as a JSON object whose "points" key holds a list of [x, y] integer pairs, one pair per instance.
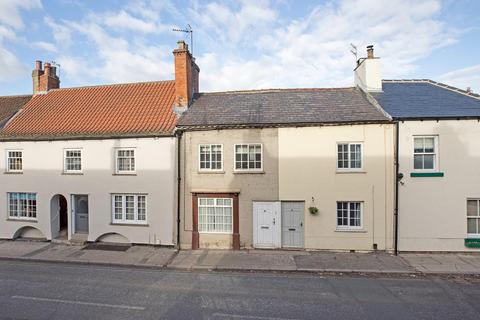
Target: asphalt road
{"points": [[56, 291]]}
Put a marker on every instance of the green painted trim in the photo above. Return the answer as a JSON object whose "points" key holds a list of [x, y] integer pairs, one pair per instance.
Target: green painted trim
{"points": [[426, 174], [472, 242]]}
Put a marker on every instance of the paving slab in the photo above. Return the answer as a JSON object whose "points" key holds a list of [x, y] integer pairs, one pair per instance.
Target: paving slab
{"points": [[444, 263], [352, 262], [12, 249]]}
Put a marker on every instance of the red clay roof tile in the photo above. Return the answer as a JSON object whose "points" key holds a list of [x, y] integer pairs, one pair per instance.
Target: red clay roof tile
{"points": [[111, 110]]}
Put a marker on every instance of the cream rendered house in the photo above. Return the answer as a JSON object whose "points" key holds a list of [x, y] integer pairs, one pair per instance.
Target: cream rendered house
{"points": [[439, 164], [255, 163], [95, 163]]}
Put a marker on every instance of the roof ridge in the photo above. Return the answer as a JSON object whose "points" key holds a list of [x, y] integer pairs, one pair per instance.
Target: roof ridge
{"points": [[436, 83], [17, 96], [112, 85], [277, 90]]}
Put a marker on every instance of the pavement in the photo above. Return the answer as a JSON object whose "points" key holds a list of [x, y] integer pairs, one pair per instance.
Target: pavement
{"points": [[244, 260], [51, 291]]}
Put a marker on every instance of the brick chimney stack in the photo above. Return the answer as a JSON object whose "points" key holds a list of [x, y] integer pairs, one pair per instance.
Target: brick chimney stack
{"points": [[44, 79], [370, 52], [186, 75]]}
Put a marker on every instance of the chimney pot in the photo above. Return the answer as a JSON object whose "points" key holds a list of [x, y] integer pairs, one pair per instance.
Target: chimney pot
{"points": [[38, 65], [182, 45], [469, 90], [370, 52]]}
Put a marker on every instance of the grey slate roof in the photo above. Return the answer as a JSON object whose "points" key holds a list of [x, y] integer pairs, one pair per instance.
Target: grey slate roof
{"points": [[9, 105], [426, 99], [277, 107]]}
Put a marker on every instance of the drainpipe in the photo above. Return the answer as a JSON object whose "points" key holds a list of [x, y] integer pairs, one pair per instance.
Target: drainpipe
{"points": [[179, 180], [397, 183]]}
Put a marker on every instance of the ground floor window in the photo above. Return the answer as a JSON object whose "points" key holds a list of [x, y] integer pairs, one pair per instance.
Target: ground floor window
{"points": [[473, 217], [129, 208], [349, 215], [22, 205], [215, 215]]}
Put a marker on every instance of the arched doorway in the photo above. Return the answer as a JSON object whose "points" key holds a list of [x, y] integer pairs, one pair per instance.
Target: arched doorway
{"points": [[59, 216]]}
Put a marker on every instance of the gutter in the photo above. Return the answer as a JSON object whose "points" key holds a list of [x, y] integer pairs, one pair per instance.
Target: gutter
{"points": [[179, 181], [397, 183]]}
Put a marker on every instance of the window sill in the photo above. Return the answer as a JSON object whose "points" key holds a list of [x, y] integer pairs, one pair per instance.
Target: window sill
{"points": [[426, 174], [124, 174], [248, 171], [72, 173], [350, 171], [125, 224], [22, 220], [13, 172], [472, 242], [351, 230], [210, 172], [216, 233]]}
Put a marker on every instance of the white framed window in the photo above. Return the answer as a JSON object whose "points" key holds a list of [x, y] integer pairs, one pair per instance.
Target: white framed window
{"points": [[349, 156], [72, 160], [215, 215], [14, 161], [210, 157], [349, 215], [248, 157], [125, 160], [129, 208], [473, 218], [425, 155], [22, 205]]}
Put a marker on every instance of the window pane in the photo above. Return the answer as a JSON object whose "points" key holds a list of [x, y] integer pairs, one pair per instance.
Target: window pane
{"points": [[472, 226], [472, 208], [418, 162], [429, 144], [418, 145], [428, 161]]}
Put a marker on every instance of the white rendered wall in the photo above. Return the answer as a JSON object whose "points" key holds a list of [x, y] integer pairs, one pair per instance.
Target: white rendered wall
{"points": [[43, 174]]}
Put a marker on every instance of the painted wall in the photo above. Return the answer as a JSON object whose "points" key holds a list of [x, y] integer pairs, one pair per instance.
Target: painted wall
{"points": [[368, 75], [307, 172], [43, 174], [433, 210], [252, 186]]}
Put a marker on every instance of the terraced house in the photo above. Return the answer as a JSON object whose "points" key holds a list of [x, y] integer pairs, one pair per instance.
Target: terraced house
{"points": [[292, 168], [94, 163]]}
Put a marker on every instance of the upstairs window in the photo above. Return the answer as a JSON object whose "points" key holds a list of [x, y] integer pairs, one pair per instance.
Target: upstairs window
{"points": [[14, 161], [73, 161], [210, 157], [248, 157], [349, 156], [22, 205], [425, 153], [125, 161]]}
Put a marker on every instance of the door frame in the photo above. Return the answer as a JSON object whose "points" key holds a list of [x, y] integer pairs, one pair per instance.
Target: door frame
{"points": [[303, 222], [277, 227], [74, 209]]}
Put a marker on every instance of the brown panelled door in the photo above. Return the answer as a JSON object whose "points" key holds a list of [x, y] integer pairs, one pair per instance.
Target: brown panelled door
{"points": [[215, 213]]}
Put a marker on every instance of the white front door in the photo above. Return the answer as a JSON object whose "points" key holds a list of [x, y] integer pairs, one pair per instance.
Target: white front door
{"points": [[266, 224]]}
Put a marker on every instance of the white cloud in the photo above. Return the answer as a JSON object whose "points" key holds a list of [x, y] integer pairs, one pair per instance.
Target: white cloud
{"points": [[463, 78], [314, 50], [250, 44], [47, 46], [10, 22]]}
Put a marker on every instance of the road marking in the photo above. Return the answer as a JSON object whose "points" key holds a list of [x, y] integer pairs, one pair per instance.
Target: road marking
{"points": [[84, 303], [240, 316]]}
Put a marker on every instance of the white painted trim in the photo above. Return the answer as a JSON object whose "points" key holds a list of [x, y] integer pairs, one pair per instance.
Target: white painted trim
{"points": [[211, 170], [7, 164], [65, 160], [135, 221], [126, 172], [349, 228], [247, 170], [436, 153], [346, 170]]}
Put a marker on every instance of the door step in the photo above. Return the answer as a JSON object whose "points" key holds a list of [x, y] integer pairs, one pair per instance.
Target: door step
{"points": [[77, 240]]}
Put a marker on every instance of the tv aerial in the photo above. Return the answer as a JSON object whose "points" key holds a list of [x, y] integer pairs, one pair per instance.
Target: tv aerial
{"points": [[187, 30], [354, 50]]}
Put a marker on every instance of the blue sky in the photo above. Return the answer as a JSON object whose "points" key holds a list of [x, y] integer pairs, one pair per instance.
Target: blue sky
{"points": [[239, 44]]}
